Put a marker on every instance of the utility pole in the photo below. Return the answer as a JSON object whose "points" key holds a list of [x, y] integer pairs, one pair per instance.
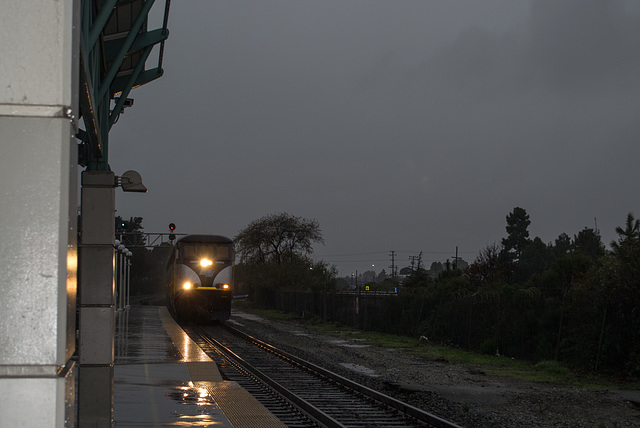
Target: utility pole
{"points": [[393, 264], [357, 286], [455, 259]]}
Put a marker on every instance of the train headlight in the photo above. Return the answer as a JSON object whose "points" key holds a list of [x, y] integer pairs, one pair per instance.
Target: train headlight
{"points": [[206, 262], [225, 286], [187, 285]]}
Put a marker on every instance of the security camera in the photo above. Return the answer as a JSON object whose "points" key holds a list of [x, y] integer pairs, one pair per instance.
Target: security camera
{"points": [[128, 102]]}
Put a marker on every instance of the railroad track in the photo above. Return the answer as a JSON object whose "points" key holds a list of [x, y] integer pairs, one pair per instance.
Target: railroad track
{"points": [[300, 393]]}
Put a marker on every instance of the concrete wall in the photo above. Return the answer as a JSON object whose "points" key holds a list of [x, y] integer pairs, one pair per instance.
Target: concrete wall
{"points": [[38, 203]]}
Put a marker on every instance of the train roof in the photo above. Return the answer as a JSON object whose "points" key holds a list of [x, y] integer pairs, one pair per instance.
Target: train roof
{"points": [[207, 239]]}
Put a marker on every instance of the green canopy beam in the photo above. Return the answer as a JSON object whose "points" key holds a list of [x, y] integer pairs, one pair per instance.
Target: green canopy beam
{"points": [[114, 49]]}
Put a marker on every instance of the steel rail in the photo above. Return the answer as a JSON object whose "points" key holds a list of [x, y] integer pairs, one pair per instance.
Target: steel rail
{"points": [[303, 404], [405, 408]]}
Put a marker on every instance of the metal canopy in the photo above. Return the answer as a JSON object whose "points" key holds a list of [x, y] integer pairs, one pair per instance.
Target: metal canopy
{"points": [[114, 49], [116, 31]]}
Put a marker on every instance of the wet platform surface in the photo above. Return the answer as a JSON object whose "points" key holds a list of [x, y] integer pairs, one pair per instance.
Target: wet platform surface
{"points": [[163, 379]]}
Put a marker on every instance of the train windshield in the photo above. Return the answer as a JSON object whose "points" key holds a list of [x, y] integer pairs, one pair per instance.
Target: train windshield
{"points": [[194, 251]]}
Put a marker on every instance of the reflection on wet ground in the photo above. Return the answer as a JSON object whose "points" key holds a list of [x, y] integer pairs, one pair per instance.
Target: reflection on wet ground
{"points": [[151, 378], [141, 337], [191, 352], [155, 395]]}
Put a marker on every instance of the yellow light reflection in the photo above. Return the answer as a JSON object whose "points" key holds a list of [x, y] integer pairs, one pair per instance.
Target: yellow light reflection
{"points": [[72, 261], [186, 350], [190, 351], [203, 397], [72, 272]]}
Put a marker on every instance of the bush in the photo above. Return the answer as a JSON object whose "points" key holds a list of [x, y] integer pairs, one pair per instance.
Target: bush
{"points": [[489, 347], [554, 369]]}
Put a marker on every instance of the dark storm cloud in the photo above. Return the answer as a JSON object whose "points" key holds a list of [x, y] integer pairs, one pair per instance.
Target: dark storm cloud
{"points": [[580, 44], [398, 125], [537, 111]]}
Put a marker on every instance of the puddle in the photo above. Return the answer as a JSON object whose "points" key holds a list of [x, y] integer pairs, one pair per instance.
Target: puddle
{"points": [[347, 344], [246, 316], [360, 369]]}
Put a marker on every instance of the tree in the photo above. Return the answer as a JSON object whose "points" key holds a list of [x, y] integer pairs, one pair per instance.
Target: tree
{"points": [[436, 267], [147, 264], [622, 288], [406, 271], [518, 235], [416, 278], [277, 238], [588, 242], [565, 273], [129, 232], [489, 267], [562, 245], [275, 253], [629, 237], [369, 276], [536, 258]]}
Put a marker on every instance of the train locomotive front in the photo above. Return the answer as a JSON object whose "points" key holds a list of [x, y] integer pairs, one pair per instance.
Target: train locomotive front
{"points": [[199, 278]]}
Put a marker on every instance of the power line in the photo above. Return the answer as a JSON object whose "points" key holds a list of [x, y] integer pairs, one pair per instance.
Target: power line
{"points": [[351, 254], [395, 251]]}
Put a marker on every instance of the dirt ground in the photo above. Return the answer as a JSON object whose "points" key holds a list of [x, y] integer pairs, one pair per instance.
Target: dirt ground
{"points": [[464, 394]]}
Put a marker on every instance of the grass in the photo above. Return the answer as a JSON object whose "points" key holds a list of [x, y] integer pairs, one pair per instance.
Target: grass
{"points": [[551, 372]]}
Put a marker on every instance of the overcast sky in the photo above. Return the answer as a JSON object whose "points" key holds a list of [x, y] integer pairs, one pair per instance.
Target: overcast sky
{"points": [[399, 125]]}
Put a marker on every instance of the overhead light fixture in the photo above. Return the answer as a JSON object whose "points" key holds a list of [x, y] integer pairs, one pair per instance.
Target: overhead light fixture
{"points": [[131, 181]]}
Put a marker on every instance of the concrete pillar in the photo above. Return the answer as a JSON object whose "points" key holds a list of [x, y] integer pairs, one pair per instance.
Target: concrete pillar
{"points": [[96, 297], [38, 202]]}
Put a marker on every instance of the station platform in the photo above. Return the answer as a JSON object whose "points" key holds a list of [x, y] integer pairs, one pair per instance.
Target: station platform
{"points": [[162, 378]]}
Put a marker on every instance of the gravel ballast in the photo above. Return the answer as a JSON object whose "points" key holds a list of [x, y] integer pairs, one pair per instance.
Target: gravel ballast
{"points": [[460, 393]]}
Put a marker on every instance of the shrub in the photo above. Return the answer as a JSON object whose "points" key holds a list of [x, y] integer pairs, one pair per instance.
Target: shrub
{"points": [[489, 346]]}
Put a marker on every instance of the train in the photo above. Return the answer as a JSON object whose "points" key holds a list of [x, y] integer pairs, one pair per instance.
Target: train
{"points": [[199, 279]]}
